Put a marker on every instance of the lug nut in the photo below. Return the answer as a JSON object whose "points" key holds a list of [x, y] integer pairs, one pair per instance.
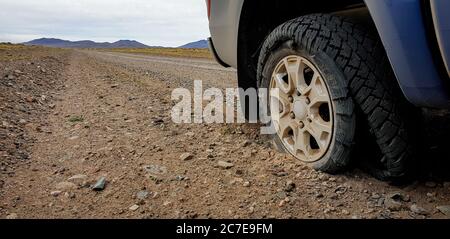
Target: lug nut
{"points": [[292, 115], [302, 125], [291, 99], [308, 101]]}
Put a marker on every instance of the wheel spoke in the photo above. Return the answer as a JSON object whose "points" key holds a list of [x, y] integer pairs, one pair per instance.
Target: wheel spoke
{"points": [[321, 126], [292, 68], [285, 123], [287, 129], [302, 87], [320, 131], [278, 96], [317, 92], [288, 71], [280, 84], [302, 143]]}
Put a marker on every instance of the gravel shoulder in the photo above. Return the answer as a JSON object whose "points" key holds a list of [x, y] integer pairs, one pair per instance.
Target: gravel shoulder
{"points": [[101, 144]]}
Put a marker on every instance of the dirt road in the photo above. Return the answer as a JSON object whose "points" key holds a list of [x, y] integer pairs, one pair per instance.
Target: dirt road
{"points": [[107, 115]]}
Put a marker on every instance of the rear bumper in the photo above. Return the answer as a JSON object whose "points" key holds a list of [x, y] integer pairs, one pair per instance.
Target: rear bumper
{"points": [[214, 53]]}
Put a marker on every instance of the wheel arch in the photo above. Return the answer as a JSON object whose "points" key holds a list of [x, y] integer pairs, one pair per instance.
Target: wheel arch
{"points": [[255, 26]]}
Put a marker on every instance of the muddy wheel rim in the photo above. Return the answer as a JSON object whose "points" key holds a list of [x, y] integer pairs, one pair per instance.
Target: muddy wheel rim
{"points": [[301, 108]]}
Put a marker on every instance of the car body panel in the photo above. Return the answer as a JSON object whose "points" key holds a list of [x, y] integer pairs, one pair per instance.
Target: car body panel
{"points": [[224, 28], [401, 27], [441, 19]]}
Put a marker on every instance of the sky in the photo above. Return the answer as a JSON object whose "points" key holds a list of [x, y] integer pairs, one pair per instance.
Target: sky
{"points": [[167, 23]]}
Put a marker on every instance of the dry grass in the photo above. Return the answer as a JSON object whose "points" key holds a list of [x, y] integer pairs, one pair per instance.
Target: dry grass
{"points": [[175, 52], [9, 46], [12, 52]]}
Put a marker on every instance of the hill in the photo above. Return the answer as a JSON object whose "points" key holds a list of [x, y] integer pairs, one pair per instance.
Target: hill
{"points": [[197, 44], [54, 42]]}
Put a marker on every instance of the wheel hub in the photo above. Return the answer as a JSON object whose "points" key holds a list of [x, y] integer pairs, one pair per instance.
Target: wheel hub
{"points": [[300, 109]]}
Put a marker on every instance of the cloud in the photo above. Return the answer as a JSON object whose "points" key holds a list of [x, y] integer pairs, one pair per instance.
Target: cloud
{"points": [[153, 22]]}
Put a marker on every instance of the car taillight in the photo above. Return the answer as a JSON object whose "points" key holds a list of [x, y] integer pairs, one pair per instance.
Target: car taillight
{"points": [[208, 8]]}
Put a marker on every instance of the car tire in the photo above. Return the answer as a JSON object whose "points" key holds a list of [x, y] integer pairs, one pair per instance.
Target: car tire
{"points": [[355, 67]]}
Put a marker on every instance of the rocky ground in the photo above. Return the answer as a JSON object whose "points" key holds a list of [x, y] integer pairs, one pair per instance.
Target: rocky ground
{"points": [[89, 134]]}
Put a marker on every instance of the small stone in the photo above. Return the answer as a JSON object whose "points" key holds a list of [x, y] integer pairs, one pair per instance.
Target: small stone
{"points": [[323, 177], [69, 195], [224, 164], [345, 212], [158, 121], [430, 184], [100, 184], [22, 121], [78, 179], [134, 207], [446, 185], [290, 186], [380, 202], [186, 157], [418, 210], [251, 210], [444, 209], [142, 195], [75, 137], [30, 99], [12, 216], [397, 196], [246, 184], [393, 205], [246, 143], [375, 196], [155, 169], [190, 134], [55, 193], [341, 189], [281, 195], [320, 195], [180, 178], [65, 186]]}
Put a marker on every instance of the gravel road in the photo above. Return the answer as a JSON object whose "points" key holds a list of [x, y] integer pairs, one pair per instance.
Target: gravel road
{"points": [[92, 137]]}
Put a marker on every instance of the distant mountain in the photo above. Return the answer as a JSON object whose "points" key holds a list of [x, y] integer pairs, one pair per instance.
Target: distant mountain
{"points": [[128, 44], [53, 42], [197, 44]]}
